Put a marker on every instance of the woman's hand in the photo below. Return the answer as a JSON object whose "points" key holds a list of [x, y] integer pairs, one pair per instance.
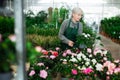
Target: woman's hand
{"points": [[70, 43]]}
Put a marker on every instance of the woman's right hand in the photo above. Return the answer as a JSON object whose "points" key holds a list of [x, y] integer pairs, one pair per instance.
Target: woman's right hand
{"points": [[70, 43]]}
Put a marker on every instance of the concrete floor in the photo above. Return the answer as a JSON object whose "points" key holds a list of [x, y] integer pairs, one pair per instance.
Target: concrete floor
{"points": [[114, 48]]}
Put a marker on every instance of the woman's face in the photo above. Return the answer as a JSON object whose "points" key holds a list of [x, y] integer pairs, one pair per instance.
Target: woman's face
{"points": [[77, 16]]}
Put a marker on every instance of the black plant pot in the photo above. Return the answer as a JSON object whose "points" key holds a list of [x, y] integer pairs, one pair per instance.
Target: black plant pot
{"points": [[6, 76]]}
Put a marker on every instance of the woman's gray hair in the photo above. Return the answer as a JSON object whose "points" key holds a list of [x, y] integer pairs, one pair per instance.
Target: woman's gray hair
{"points": [[77, 10]]}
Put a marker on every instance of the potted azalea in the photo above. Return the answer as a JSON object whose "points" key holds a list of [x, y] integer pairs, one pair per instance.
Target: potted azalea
{"points": [[7, 56], [46, 65]]}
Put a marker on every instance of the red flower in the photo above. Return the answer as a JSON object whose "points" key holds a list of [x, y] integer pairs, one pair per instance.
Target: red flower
{"points": [[55, 53]]}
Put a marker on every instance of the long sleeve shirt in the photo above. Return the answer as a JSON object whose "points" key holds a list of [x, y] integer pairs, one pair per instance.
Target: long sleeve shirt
{"points": [[64, 26]]}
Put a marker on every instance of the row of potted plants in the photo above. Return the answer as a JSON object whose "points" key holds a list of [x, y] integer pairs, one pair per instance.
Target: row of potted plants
{"points": [[53, 18], [110, 27]]}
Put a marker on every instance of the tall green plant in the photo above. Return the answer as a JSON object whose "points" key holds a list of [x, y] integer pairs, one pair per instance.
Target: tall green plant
{"points": [[6, 25], [63, 13], [55, 17], [50, 9]]}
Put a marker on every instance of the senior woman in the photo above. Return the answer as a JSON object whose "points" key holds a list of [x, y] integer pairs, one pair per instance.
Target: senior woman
{"points": [[70, 28]]}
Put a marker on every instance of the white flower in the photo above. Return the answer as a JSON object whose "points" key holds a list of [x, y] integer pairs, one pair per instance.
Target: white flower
{"points": [[83, 33], [99, 67], [104, 52], [79, 55], [73, 59], [94, 61], [87, 63], [64, 60], [88, 35], [91, 67], [83, 56], [83, 67], [105, 58], [90, 55], [79, 59], [79, 68], [40, 64], [87, 59], [117, 61]]}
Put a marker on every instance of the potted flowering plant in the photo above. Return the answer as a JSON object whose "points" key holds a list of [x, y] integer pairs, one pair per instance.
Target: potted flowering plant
{"points": [[93, 64], [85, 40], [46, 66], [7, 56]]}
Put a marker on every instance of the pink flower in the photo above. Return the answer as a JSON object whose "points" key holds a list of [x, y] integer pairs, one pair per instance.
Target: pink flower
{"points": [[106, 63], [68, 51], [116, 70], [73, 54], [87, 71], [57, 48], [64, 54], [107, 77], [111, 67], [52, 57], [43, 74], [38, 48], [95, 75], [12, 38], [97, 51], [45, 52], [89, 50], [40, 64], [32, 73], [74, 72], [78, 51]]}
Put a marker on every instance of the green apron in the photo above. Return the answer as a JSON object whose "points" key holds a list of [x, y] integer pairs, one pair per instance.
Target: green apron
{"points": [[71, 34]]}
